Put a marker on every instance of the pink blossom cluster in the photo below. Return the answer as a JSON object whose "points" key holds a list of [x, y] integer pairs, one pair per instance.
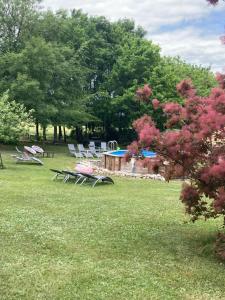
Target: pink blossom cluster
{"points": [[143, 94], [185, 88], [221, 79], [146, 130]]}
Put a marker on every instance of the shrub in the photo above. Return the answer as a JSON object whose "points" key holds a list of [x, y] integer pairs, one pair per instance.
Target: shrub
{"points": [[14, 120], [193, 146]]}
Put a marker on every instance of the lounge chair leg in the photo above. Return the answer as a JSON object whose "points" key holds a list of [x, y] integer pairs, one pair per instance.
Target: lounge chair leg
{"points": [[83, 181], [66, 178], [79, 178], [54, 177], [96, 182]]}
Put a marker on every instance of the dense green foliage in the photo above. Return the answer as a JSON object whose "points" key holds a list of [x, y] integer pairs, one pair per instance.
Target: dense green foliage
{"points": [[14, 120], [62, 241], [76, 70]]}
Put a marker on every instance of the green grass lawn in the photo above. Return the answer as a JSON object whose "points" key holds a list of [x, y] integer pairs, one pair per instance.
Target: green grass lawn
{"points": [[127, 241]]}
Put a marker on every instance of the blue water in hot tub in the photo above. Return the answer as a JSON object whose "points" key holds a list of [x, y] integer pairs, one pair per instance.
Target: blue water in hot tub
{"points": [[121, 153]]}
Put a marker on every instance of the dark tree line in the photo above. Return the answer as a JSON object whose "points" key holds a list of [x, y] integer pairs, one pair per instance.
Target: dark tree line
{"points": [[80, 72]]}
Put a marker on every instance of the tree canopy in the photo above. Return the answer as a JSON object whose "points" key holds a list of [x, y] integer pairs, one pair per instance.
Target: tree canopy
{"points": [[14, 120], [76, 70]]}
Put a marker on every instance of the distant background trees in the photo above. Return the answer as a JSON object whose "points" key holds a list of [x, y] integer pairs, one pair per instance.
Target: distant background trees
{"points": [[81, 72], [14, 120]]}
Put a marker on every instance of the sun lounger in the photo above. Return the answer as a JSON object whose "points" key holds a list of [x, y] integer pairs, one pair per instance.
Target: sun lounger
{"points": [[38, 149], [28, 159], [92, 143], [94, 179], [26, 156], [94, 152], [58, 174], [29, 150], [86, 153], [78, 155], [72, 149], [66, 175], [81, 177], [74, 152], [18, 150], [73, 175], [103, 146]]}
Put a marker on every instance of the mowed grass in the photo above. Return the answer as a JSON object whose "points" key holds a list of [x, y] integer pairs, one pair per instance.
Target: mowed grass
{"points": [[122, 241]]}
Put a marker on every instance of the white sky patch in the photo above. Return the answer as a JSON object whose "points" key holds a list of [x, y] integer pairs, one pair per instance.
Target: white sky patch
{"points": [[189, 43]]}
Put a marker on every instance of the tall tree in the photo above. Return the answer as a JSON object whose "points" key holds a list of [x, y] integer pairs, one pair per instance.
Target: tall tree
{"points": [[16, 22], [45, 77], [14, 120]]}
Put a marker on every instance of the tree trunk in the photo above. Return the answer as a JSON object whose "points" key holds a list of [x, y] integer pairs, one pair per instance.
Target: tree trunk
{"points": [[44, 133], [55, 134], [60, 133], [1, 162], [64, 134], [37, 131], [79, 134]]}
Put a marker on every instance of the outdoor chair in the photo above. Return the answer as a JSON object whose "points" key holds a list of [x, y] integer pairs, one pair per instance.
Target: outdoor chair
{"points": [[38, 149], [73, 151], [103, 146], [25, 158], [58, 174], [29, 150], [94, 179], [73, 175], [18, 150], [86, 153], [94, 152], [92, 144]]}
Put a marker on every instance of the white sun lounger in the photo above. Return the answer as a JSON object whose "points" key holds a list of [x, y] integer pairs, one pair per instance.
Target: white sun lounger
{"points": [[86, 153]]}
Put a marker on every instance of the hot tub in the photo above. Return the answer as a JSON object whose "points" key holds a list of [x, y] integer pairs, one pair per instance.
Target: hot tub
{"points": [[113, 160]]}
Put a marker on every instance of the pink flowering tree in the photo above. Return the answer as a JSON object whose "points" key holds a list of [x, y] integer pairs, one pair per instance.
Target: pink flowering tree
{"points": [[193, 143]]}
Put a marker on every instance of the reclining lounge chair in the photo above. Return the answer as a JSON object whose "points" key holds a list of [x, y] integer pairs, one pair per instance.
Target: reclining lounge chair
{"points": [[103, 147], [94, 179], [73, 151], [73, 175], [86, 153], [24, 158], [94, 152], [66, 175], [58, 174], [18, 150]]}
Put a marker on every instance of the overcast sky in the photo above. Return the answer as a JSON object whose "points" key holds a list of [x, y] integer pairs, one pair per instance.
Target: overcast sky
{"points": [[187, 28]]}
